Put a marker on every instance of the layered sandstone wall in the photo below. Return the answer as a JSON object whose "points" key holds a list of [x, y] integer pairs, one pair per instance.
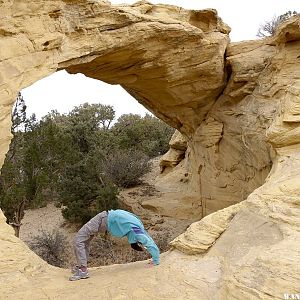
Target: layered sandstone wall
{"points": [[258, 239]]}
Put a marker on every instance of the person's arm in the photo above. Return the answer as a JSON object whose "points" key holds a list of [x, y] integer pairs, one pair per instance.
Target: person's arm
{"points": [[150, 245]]}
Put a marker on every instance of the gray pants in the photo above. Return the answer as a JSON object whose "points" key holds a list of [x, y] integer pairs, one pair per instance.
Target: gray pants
{"points": [[82, 247], [84, 236]]}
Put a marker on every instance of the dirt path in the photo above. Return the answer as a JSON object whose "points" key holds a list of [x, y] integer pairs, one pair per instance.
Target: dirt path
{"points": [[47, 218]]}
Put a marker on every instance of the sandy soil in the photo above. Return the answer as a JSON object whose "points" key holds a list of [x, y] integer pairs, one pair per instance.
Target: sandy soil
{"points": [[47, 218]]}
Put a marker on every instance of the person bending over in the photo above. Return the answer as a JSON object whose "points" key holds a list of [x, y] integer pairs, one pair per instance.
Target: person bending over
{"points": [[118, 223]]}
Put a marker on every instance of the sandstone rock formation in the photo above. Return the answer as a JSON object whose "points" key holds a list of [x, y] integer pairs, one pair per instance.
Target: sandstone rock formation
{"points": [[237, 104], [176, 153]]}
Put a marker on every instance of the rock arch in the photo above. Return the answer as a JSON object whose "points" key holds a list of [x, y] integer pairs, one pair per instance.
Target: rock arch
{"points": [[231, 106], [170, 59]]}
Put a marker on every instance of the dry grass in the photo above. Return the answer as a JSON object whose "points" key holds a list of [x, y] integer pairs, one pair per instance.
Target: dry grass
{"points": [[51, 247], [108, 250]]}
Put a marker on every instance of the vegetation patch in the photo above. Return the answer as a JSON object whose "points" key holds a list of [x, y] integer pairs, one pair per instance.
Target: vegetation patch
{"points": [[78, 160]]}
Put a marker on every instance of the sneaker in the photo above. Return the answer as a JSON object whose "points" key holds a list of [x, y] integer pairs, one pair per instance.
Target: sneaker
{"points": [[79, 275], [75, 269]]}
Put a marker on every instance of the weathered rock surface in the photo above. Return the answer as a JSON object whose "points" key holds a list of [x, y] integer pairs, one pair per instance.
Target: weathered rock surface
{"points": [[176, 153], [259, 240], [239, 111], [120, 45]]}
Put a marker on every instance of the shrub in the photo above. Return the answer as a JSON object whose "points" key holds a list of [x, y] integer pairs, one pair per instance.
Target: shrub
{"points": [[125, 168], [147, 134], [107, 198], [51, 247], [79, 211], [106, 250], [84, 191]]}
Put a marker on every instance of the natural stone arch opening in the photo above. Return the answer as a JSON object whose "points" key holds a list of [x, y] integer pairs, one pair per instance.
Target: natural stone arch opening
{"points": [[62, 91], [175, 67], [170, 89], [147, 60], [178, 75], [117, 243]]}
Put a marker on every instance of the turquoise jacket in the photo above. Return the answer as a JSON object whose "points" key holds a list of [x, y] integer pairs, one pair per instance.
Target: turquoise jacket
{"points": [[122, 223]]}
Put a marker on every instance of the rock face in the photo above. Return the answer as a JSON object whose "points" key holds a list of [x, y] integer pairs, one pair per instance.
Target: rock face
{"points": [[131, 46], [237, 106], [258, 239], [176, 153]]}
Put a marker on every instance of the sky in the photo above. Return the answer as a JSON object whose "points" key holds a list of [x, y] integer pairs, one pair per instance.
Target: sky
{"points": [[62, 91]]}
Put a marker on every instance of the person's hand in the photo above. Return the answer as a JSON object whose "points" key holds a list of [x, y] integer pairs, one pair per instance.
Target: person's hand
{"points": [[150, 264]]}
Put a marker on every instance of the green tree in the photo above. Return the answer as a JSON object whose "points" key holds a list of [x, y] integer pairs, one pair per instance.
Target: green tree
{"points": [[77, 159], [47, 150], [88, 124], [18, 114], [12, 199], [108, 158], [97, 116], [147, 134], [269, 27], [37, 154], [82, 183]]}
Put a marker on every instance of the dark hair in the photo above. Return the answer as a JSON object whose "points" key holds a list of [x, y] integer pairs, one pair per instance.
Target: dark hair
{"points": [[136, 247]]}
